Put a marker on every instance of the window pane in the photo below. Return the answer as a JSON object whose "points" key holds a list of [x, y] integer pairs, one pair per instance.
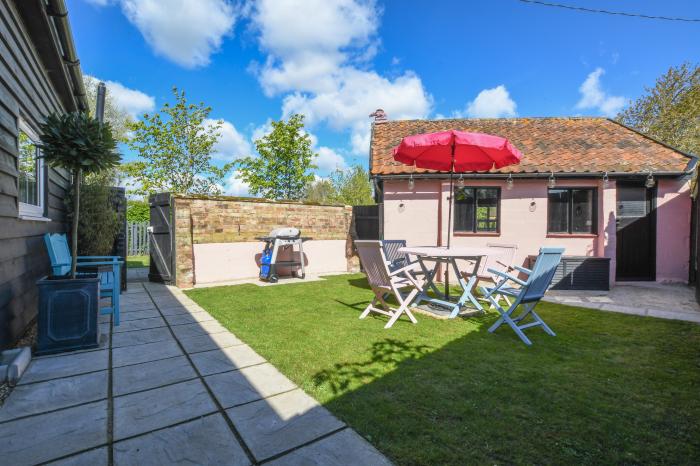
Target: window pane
{"points": [[28, 173], [487, 209], [558, 211], [582, 211], [464, 209]]}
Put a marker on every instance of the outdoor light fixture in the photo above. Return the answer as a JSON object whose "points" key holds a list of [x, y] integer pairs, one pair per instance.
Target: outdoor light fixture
{"points": [[606, 180], [509, 182], [460, 181], [650, 181], [411, 183], [552, 181]]}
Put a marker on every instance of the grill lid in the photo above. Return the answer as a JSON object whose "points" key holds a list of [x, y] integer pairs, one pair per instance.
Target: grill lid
{"points": [[285, 232]]}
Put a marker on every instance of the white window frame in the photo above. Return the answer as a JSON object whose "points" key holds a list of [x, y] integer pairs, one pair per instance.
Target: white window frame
{"points": [[29, 211]]}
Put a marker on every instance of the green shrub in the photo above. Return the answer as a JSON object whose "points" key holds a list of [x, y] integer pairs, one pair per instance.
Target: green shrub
{"points": [[138, 211], [98, 224]]}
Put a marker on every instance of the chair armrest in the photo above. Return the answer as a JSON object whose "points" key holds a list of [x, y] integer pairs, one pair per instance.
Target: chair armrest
{"points": [[99, 257], [407, 268], [90, 264], [507, 277], [522, 269]]}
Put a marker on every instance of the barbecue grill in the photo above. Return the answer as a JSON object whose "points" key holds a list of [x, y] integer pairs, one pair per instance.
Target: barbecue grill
{"points": [[282, 240]]}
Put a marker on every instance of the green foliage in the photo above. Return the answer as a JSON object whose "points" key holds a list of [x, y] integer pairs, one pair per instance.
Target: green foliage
{"points": [[138, 211], [174, 148], [284, 166], [76, 141], [670, 111], [344, 187], [98, 223], [115, 116]]}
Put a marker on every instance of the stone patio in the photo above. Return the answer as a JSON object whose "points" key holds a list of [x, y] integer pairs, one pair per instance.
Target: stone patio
{"points": [[665, 301], [170, 385]]}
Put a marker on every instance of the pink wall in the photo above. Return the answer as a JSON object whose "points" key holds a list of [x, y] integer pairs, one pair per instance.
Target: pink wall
{"points": [[524, 220], [673, 209]]}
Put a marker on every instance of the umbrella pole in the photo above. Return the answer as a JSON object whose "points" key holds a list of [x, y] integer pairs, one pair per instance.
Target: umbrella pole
{"points": [[449, 223]]}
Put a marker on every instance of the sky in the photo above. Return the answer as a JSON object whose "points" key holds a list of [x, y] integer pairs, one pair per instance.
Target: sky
{"points": [[336, 61]]}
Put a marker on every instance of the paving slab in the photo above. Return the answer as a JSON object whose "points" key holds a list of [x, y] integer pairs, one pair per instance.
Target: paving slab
{"points": [[134, 378], [140, 337], [252, 383], [136, 307], [209, 342], [226, 359], [96, 457], [141, 324], [207, 440], [210, 327], [141, 412], [138, 298], [188, 318], [675, 315], [136, 315], [49, 436], [145, 353], [54, 394], [178, 310], [280, 423], [340, 449], [65, 365]]}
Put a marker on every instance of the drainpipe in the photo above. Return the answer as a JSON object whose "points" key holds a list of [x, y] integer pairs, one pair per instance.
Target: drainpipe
{"points": [[57, 10]]}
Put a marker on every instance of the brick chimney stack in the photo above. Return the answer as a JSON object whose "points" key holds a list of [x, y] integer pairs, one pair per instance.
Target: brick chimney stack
{"points": [[379, 116]]}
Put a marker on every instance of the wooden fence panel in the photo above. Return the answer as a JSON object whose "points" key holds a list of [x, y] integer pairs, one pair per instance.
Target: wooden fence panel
{"points": [[137, 239]]}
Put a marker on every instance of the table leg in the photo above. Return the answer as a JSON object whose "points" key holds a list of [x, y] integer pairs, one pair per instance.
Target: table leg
{"points": [[467, 286]]}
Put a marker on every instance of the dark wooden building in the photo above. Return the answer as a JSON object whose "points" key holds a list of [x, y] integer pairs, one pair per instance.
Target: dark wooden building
{"points": [[39, 74]]}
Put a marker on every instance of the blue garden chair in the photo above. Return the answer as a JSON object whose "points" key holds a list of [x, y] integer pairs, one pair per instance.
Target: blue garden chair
{"points": [[107, 267], [397, 260], [528, 295]]}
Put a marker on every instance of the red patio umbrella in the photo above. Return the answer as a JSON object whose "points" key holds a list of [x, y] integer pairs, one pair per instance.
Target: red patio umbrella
{"points": [[456, 152]]}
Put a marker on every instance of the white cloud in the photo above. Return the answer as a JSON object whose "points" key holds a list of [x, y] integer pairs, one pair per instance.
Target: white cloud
{"points": [[235, 186], [329, 160], [132, 101], [491, 103], [594, 97], [317, 53], [231, 145], [186, 32]]}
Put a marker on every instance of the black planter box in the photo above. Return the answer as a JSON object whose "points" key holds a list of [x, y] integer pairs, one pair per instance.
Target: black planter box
{"points": [[68, 311], [580, 273]]}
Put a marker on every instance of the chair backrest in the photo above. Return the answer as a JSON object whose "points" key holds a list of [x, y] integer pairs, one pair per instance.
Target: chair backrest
{"points": [[391, 252], [501, 262], [373, 262], [542, 274], [59, 253]]}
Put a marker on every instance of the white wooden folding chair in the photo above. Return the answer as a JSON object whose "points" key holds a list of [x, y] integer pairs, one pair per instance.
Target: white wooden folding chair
{"points": [[385, 282]]}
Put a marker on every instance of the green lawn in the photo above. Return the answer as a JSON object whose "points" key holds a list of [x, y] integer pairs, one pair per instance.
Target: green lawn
{"points": [[609, 389], [134, 262]]}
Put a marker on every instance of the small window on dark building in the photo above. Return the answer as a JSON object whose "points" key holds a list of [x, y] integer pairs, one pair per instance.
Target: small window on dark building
{"points": [[477, 210], [571, 211]]}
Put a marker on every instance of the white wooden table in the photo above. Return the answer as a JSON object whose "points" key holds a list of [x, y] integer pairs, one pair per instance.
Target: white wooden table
{"points": [[441, 255]]}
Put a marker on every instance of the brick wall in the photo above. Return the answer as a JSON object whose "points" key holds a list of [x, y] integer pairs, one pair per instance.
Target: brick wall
{"points": [[202, 220]]}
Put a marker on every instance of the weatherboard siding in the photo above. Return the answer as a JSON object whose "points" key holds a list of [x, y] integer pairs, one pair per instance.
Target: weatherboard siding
{"points": [[26, 92]]}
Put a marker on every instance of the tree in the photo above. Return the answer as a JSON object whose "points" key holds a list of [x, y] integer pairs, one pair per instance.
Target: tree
{"points": [[118, 118], [670, 111], [320, 191], [81, 144], [174, 148], [283, 168], [352, 186], [138, 211]]}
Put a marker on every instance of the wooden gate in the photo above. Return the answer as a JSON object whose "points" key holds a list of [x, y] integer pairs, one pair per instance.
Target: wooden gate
{"points": [[368, 221], [161, 239]]}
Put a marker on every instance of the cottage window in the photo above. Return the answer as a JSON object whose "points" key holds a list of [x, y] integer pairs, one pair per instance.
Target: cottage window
{"points": [[571, 211], [477, 210], [31, 174]]}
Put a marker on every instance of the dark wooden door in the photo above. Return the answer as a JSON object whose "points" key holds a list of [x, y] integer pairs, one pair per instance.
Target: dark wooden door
{"points": [[636, 232], [161, 238], [367, 221]]}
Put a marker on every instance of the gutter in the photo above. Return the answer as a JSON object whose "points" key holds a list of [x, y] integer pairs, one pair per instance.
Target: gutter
{"points": [[57, 10]]}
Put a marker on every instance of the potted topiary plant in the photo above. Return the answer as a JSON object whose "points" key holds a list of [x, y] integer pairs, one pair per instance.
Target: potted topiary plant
{"points": [[69, 303]]}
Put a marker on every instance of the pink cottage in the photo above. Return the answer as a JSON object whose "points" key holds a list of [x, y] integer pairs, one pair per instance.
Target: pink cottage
{"points": [[618, 201]]}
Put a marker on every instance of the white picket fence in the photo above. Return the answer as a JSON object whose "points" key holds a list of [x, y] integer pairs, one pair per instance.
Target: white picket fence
{"points": [[137, 239]]}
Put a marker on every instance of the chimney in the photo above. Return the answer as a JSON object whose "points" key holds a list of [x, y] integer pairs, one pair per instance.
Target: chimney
{"points": [[379, 116]]}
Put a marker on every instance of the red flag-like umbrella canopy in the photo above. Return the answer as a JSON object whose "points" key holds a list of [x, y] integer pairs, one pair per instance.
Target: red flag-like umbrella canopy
{"points": [[468, 151]]}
